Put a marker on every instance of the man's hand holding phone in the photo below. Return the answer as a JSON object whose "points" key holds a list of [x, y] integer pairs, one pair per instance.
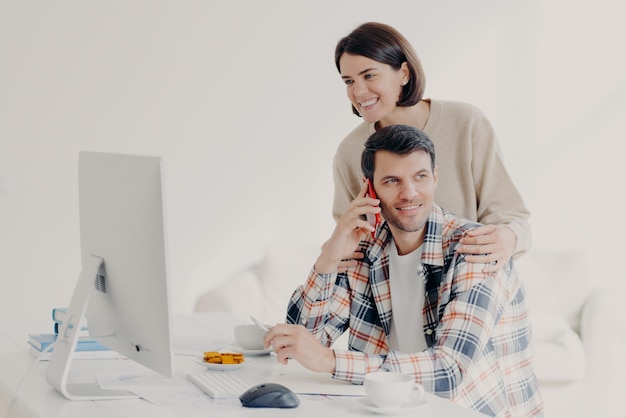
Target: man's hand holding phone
{"points": [[351, 228]]}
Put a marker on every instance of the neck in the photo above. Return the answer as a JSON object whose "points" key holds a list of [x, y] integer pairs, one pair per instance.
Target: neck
{"points": [[415, 116], [407, 242]]}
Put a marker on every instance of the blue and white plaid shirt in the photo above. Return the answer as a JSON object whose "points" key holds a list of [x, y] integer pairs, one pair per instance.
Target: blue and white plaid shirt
{"points": [[476, 324]]}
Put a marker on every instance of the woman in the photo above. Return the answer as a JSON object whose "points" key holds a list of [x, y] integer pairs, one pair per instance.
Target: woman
{"points": [[385, 84]]}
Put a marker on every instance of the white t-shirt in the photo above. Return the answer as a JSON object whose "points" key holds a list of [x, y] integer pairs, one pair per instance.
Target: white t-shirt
{"points": [[406, 279]]}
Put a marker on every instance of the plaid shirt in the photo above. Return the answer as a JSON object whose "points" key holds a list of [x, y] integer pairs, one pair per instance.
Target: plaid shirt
{"points": [[476, 325]]}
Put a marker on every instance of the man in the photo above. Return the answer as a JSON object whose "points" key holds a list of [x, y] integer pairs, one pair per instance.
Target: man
{"points": [[412, 304]]}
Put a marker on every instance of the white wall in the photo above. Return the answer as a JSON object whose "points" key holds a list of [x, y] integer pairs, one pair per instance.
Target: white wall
{"points": [[242, 100]]}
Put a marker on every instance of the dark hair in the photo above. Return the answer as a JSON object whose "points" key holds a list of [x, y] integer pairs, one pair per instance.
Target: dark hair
{"points": [[382, 43], [399, 139]]}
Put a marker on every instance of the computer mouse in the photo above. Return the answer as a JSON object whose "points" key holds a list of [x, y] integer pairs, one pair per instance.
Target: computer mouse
{"points": [[269, 395]]}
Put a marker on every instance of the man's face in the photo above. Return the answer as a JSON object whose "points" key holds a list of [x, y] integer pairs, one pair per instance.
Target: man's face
{"points": [[405, 185]]}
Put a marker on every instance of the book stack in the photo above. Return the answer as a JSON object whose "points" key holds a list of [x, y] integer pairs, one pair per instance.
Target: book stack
{"points": [[58, 317], [85, 348]]}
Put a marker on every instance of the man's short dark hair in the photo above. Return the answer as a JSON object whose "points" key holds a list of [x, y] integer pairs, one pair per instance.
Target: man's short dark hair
{"points": [[398, 139]]}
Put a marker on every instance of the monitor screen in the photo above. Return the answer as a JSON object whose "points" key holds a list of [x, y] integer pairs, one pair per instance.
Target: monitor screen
{"points": [[123, 286]]}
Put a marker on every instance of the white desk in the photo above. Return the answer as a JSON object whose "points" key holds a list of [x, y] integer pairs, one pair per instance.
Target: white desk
{"points": [[36, 399]]}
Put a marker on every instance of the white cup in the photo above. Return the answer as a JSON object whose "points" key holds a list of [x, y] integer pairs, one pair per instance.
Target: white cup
{"points": [[392, 390], [249, 337]]}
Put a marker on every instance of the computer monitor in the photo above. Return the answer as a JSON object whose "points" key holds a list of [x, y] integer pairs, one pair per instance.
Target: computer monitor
{"points": [[123, 285]]}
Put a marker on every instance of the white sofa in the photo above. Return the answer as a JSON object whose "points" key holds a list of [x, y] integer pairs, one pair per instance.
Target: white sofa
{"points": [[579, 338]]}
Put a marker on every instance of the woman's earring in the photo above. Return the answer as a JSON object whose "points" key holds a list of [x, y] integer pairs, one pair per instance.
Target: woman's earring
{"points": [[404, 83]]}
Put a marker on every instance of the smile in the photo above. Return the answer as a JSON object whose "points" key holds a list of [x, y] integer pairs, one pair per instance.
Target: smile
{"points": [[409, 208], [369, 102]]}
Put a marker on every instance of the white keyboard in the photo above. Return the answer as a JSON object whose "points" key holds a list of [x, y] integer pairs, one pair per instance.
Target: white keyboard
{"points": [[218, 385]]}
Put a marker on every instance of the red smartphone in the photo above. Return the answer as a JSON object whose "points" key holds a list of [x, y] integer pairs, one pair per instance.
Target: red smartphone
{"points": [[373, 219]]}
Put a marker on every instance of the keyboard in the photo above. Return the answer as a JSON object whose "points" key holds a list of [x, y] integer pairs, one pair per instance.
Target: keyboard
{"points": [[218, 385]]}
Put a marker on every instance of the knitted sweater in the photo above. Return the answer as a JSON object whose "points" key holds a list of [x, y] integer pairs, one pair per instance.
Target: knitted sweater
{"points": [[473, 181]]}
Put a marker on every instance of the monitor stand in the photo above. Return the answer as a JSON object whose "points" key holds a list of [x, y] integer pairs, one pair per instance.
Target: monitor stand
{"points": [[63, 351]]}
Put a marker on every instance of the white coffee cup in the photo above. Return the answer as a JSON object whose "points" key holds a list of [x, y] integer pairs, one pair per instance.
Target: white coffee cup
{"points": [[249, 337], [392, 390]]}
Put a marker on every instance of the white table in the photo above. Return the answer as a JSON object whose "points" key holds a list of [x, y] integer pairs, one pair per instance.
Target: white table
{"points": [[36, 399]]}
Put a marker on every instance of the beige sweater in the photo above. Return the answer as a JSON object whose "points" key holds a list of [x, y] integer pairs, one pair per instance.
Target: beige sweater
{"points": [[473, 181]]}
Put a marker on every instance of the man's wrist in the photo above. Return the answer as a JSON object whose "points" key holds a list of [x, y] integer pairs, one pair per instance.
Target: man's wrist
{"points": [[326, 266]]}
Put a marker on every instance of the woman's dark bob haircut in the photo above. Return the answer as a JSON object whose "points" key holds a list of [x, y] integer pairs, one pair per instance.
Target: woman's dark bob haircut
{"points": [[384, 44]]}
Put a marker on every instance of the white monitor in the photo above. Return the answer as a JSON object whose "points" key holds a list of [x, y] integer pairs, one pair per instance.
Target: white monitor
{"points": [[123, 285]]}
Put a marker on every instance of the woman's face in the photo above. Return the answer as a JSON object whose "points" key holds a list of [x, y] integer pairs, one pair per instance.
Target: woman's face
{"points": [[373, 87]]}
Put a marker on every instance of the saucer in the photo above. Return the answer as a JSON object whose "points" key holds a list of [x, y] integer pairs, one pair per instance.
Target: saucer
{"points": [[223, 367], [406, 409], [237, 348]]}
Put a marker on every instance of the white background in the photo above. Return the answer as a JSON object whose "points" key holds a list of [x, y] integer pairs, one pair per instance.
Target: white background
{"points": [[242, 100]]}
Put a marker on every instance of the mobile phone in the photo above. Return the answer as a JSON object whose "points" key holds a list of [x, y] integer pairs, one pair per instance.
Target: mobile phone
{"points": [[375, 218]]}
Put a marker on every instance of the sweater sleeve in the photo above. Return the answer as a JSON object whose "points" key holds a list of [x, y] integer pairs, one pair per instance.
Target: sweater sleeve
{"points": [[347, 172], [498, 200], [344, 194]]}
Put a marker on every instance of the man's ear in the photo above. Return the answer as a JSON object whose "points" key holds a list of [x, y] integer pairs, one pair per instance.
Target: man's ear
{"points": [[436, 175]]}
